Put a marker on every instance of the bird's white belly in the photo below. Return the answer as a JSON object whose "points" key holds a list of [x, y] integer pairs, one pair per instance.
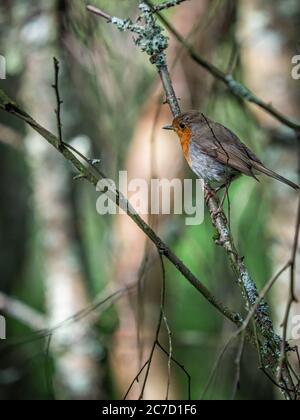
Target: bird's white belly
{"points": [[209, 169]]}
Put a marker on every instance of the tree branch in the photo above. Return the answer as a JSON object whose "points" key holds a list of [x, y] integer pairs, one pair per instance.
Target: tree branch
{"points": [[58, 100], [167, 5]]}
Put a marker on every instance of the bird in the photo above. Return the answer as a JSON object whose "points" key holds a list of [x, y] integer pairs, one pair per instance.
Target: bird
{"points": [[215, 154]]}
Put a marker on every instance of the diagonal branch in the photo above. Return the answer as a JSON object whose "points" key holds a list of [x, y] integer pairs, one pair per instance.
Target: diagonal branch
{"points": [[167, 5]]}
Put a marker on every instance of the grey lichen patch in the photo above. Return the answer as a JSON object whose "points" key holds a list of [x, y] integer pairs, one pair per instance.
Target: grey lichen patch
{"points": [[170, 3], [239, 319], [224, 233], [261, 313], [124, 24], [249, 287], [150, 38], [270, 354]]}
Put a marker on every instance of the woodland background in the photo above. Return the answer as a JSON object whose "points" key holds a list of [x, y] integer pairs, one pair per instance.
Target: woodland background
{"points": [[58, 256]]}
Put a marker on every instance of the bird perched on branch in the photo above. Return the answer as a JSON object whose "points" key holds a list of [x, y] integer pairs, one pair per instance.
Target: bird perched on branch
{"points": [[215, 153]]}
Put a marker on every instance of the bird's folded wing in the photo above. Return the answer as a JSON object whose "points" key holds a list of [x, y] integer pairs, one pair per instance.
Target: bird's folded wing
{"points": [[218, 142]]}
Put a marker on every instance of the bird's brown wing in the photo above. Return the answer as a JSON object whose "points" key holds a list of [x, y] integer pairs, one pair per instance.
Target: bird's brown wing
{"points": [[220, 143]]}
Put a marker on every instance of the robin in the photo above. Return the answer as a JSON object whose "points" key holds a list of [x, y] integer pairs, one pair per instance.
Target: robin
{"points": [[215, 153]]}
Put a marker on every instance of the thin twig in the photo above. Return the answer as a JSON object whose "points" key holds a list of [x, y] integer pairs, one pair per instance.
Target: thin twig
{"points": [[216, 366], [99, 12], [103, 301], [135, 379], [148, 363], [165, 321], [237, 363], [189, 378], [58, 101], [158, 328], [48, 368]]}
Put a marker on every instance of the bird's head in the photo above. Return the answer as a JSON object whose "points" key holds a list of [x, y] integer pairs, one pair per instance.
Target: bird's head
{"points": [[186, 123]]}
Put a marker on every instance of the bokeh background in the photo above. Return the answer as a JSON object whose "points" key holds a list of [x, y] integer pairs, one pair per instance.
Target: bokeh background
{"points": [[59, 258]]}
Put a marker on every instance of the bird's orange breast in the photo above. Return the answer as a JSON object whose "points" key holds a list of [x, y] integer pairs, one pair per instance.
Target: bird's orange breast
{"points": [[185, 138]]}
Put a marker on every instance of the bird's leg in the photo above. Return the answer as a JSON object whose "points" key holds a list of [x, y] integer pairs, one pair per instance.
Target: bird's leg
{"points": [[208, 195], [220, 210], [211, 193], [227, 186]]}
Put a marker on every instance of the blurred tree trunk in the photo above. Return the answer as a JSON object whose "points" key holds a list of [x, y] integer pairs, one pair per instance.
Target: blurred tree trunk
{"points": [[73, 347], [15, 213]]}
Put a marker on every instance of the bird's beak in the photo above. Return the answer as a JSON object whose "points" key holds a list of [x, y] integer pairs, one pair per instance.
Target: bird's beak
{"points": [[169, 127]]}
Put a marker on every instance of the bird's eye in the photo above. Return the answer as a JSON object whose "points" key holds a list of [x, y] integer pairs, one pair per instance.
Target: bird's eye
{"points": [[182, 126]]}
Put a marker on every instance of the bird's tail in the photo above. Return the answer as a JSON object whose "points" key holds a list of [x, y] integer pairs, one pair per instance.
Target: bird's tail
{"points": [[261, 168]]}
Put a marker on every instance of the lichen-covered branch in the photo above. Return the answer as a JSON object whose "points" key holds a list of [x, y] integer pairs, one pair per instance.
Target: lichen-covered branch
{"points": [[167, 5]]}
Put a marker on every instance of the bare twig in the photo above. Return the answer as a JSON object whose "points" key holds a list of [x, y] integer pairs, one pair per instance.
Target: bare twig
{"points": [[158, 328], [237, 363], [103, 301], [156, 343], [216, 366], [189, 378], [99, 12], [58, 101], [136, 379], [48, 369], [170, 352]]}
